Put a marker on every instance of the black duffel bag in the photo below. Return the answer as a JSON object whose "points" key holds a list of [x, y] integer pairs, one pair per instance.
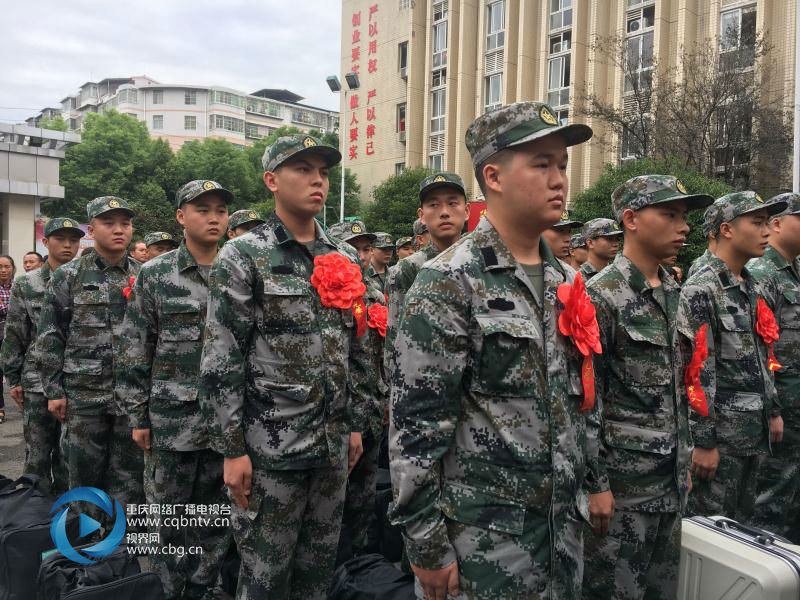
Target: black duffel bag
{"points": [[371, 577], [24, 535], [144, 586], [59, 575], [390, 537]]}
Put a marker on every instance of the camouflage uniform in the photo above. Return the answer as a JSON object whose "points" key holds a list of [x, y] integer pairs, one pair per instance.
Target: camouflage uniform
{"points": [[158, 379], [592, 230], [778, 500], [645, 450], [244, 217], [79, 343], [709, 220], [487, 443], [384, 242], [41, 429], [403, 241], [276, 378], [739, 389], [160, 237]]}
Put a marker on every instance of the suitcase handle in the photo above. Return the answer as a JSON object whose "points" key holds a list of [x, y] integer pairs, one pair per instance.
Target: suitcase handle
{"points": [[765, 538]]}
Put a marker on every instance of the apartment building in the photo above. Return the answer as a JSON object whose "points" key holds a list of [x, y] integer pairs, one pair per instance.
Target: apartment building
{"points": [[427, 68]]}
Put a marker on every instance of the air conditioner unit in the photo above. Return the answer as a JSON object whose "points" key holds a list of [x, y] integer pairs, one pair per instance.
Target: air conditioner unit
{"points": [[404, 73], [402, 136]]}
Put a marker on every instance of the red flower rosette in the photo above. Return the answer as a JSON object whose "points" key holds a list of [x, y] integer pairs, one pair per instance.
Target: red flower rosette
{"points": [[337, 281], [691, 376], [578, 321], [767, 328], [127, 291], [376, 318]]}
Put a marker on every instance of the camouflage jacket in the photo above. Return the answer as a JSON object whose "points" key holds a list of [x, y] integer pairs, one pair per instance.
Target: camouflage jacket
{"points": [[783, 279], [19, 361], [376, 387], [80, 333], [378, 280], [278, 370], [739, 388], [645, 447], [485, 427], [158, 377], [700, 262], [588, 271]]}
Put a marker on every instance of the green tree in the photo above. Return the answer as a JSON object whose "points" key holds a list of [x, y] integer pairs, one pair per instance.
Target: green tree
{"points": [[57, 123], [396, 201], [595, 201]]}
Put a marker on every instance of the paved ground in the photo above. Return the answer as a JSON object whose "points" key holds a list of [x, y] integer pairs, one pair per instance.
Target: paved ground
{"points": [[12, 444]]}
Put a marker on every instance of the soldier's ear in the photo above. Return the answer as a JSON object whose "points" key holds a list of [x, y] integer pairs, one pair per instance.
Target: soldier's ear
{"points": [[271, 181], [179, 216], [725, 231], [628, 220]]}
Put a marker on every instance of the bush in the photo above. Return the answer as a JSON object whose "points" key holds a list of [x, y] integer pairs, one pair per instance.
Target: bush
{"points": [[396, 201]]}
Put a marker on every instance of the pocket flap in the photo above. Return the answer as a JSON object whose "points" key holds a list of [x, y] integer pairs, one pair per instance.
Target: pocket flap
{"points": [[513, 325], [474, 506], [628, 436], [650, 335], [177, 306], [90, 297], [734, 322], [791, 296], [173, 390], [83, 366], [287, 285], [741, 401], [292, 391]]}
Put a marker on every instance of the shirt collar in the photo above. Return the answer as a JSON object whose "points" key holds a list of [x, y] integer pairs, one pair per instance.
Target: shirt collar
{"points": [[724, 274], [636, 279], [284, 236]]}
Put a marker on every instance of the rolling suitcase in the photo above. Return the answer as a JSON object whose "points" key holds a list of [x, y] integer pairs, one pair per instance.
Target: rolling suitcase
{"points": [[722, 559]]}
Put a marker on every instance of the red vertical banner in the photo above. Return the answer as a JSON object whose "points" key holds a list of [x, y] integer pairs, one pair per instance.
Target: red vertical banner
{"points": [[476, 211]]}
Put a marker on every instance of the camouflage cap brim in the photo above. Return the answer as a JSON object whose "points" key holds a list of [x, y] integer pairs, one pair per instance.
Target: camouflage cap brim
{"points": [[693, 201], [351, 236], [331, 156], [61, 224], [567, 224], [226, 195], [436, 185], [573, 134], [773, 208], [121, 209]]}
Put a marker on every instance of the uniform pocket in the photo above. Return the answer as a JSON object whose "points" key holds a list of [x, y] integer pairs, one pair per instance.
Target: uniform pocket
{"points": [[740, 420], [173, 390], [283, 401], [182, 320], [628, 436], [735, 333], [83, 372], [483, 508], [506, 363]]}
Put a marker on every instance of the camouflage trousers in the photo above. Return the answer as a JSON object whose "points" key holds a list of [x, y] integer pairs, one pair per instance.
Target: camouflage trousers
{"points": [[100, 453], [359, 505], [181, 478], [289, 533], [778, 489], [732, 492], [42, 433], [637, 560]]}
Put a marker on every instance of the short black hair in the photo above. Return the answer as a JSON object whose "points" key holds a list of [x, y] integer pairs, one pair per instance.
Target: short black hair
{"points": [[41, 258], [500, 157]]}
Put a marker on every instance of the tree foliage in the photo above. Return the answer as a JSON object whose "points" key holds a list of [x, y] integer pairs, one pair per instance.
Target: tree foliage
{"points": [[396, 201], [57, 123]]}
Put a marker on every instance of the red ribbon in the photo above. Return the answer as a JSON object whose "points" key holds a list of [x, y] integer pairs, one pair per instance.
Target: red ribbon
{"points": [[360, 314], [767, 328], [127, 291], [691, 376]]}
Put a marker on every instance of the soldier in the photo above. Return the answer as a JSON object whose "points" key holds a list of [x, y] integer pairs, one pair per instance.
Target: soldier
{"points": [[404, 247], [486, 437], [602, 243], [421, 234], [578, 252], [443, 209], [709, 218], [159, 242], [559, 236], [276, 379], [243, 221], [79, 342], [644, 421], [159, 381], [778, 500], [739, 415], [383, 250], [32, 260], [138, 251], [354, 233], [41, 429]]}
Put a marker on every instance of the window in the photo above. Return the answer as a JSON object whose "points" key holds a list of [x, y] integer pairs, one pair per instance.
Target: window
{"points": [[558, 80], [227, 123], [402, 55], [256, 132], [228, 98], [561, 42], [631, 141], [262, 107], [560, 14], [737, 37], [401, 117], [439, 34], [439, 10], [563, 116], [633, 3], [189, 122], [436, 162], [128, 96], [158, 121], [639, 20], [405, 4], [439, 78], [493, 90], [131, 115], [190, 97], [399, 168], [308, 118], [158, 96], [639, 68], [438, 109], [495, 25]]}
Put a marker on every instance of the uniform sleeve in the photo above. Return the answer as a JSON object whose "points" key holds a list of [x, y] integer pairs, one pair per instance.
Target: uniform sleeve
{"points": [[695, 309], [363, 388], [53, 326], [139, 335], [597, 475], [431, 351], [768, 288], [397, 286], [18, 337], [229, 325]]}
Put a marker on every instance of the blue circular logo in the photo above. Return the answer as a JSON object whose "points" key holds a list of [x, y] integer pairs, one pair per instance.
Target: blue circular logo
{"points": [[87, 525]]}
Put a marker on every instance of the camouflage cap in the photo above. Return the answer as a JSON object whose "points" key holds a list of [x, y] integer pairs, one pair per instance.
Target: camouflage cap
{"points": [[440, 180], [600, 228], [198, 187], [242, 217], [710, 217], [648, 190], [62, 224], [105, 204], [736, 204], [792, 203], [578, 240], [403, 241], [289, 146], [566, 221], [160, 237], [420, 228], [517, 124], [349, 230], [383, 240]]}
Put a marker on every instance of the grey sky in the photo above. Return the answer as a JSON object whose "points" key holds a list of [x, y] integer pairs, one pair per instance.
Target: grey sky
{"points": [[49, 48]]}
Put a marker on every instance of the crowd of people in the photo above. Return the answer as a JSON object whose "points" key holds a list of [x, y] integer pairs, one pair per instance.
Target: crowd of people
{"points": [[551, 406]]}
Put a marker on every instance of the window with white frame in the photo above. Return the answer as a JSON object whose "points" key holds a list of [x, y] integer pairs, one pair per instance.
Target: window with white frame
{"points": [[132, 115], [436, 162], [560, 14], [438, 110], [558, 80], [439, 36], [226, 123], [737, 34], [637, 3], [640, 20], [158, 96], [631, 146], [402, 55], [495, 25], [493, 91], [401, 117], [158, 121], [128, 96], [228, 98], [189, 122], [190, 97], [639, 67], [439, 78], [560, 42], [563, 116], [399, 168]]}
